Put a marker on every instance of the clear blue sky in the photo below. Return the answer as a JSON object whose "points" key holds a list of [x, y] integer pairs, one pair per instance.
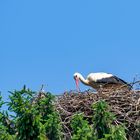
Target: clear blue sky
{"points": [[45, 42]]}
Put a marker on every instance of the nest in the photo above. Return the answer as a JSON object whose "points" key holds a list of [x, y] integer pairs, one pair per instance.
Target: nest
{"points": [[124, 104]]}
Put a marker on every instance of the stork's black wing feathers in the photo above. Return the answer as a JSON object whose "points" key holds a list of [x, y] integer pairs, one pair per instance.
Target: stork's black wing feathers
{"points": [[122, 81], [113, 80]]}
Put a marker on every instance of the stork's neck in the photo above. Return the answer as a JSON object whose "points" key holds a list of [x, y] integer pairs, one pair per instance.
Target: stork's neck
{"points": [[83, 80]]}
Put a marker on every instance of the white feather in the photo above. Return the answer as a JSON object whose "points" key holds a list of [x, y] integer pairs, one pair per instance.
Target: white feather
{"points": [[98, 76], [95, 80]]}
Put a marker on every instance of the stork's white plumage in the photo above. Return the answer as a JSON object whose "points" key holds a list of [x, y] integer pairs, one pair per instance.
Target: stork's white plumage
{"points": [[98, 80]]}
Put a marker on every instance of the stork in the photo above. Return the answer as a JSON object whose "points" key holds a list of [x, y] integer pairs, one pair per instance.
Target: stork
{"points": [[101, 80]]}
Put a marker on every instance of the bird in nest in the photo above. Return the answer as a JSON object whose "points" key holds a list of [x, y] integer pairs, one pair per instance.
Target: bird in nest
{"points": [[101, 80]]}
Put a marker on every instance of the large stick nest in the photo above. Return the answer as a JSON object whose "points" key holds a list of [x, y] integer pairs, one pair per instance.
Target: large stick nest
{"points": [[124, 104]]}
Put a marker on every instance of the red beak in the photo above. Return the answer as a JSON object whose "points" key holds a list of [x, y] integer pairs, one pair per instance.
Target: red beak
{"points": [[77, 84]]}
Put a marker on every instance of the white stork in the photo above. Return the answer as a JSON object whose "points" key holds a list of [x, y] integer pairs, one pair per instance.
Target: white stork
{"points": [[101, 80]]}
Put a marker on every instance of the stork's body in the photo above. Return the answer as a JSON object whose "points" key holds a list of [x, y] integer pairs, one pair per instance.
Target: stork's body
{"points": [[101, 80]]}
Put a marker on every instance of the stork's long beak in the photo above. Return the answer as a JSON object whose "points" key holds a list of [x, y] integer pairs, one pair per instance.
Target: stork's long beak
{"points": [[77, 84]]}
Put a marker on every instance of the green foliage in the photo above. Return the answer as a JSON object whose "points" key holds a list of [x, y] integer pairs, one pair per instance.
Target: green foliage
{"points": [[6, 132], [20, 101], [35, 118], [53, 127], [1, 102], [101, 128], [103, 123], [35, 115], [118, 132], [49, 117], [30, 127], [102, 119], [44, 105], [81, 129]]}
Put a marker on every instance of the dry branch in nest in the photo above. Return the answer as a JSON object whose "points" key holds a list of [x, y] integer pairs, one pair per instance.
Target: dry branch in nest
{"points": [[124, 104]]}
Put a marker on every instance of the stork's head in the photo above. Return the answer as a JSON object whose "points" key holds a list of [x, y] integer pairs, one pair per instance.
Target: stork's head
{"points": [[76, 78], [76, 75]]}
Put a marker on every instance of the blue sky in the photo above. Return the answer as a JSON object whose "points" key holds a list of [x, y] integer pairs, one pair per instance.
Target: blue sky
{"points": [[45, 42]]}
